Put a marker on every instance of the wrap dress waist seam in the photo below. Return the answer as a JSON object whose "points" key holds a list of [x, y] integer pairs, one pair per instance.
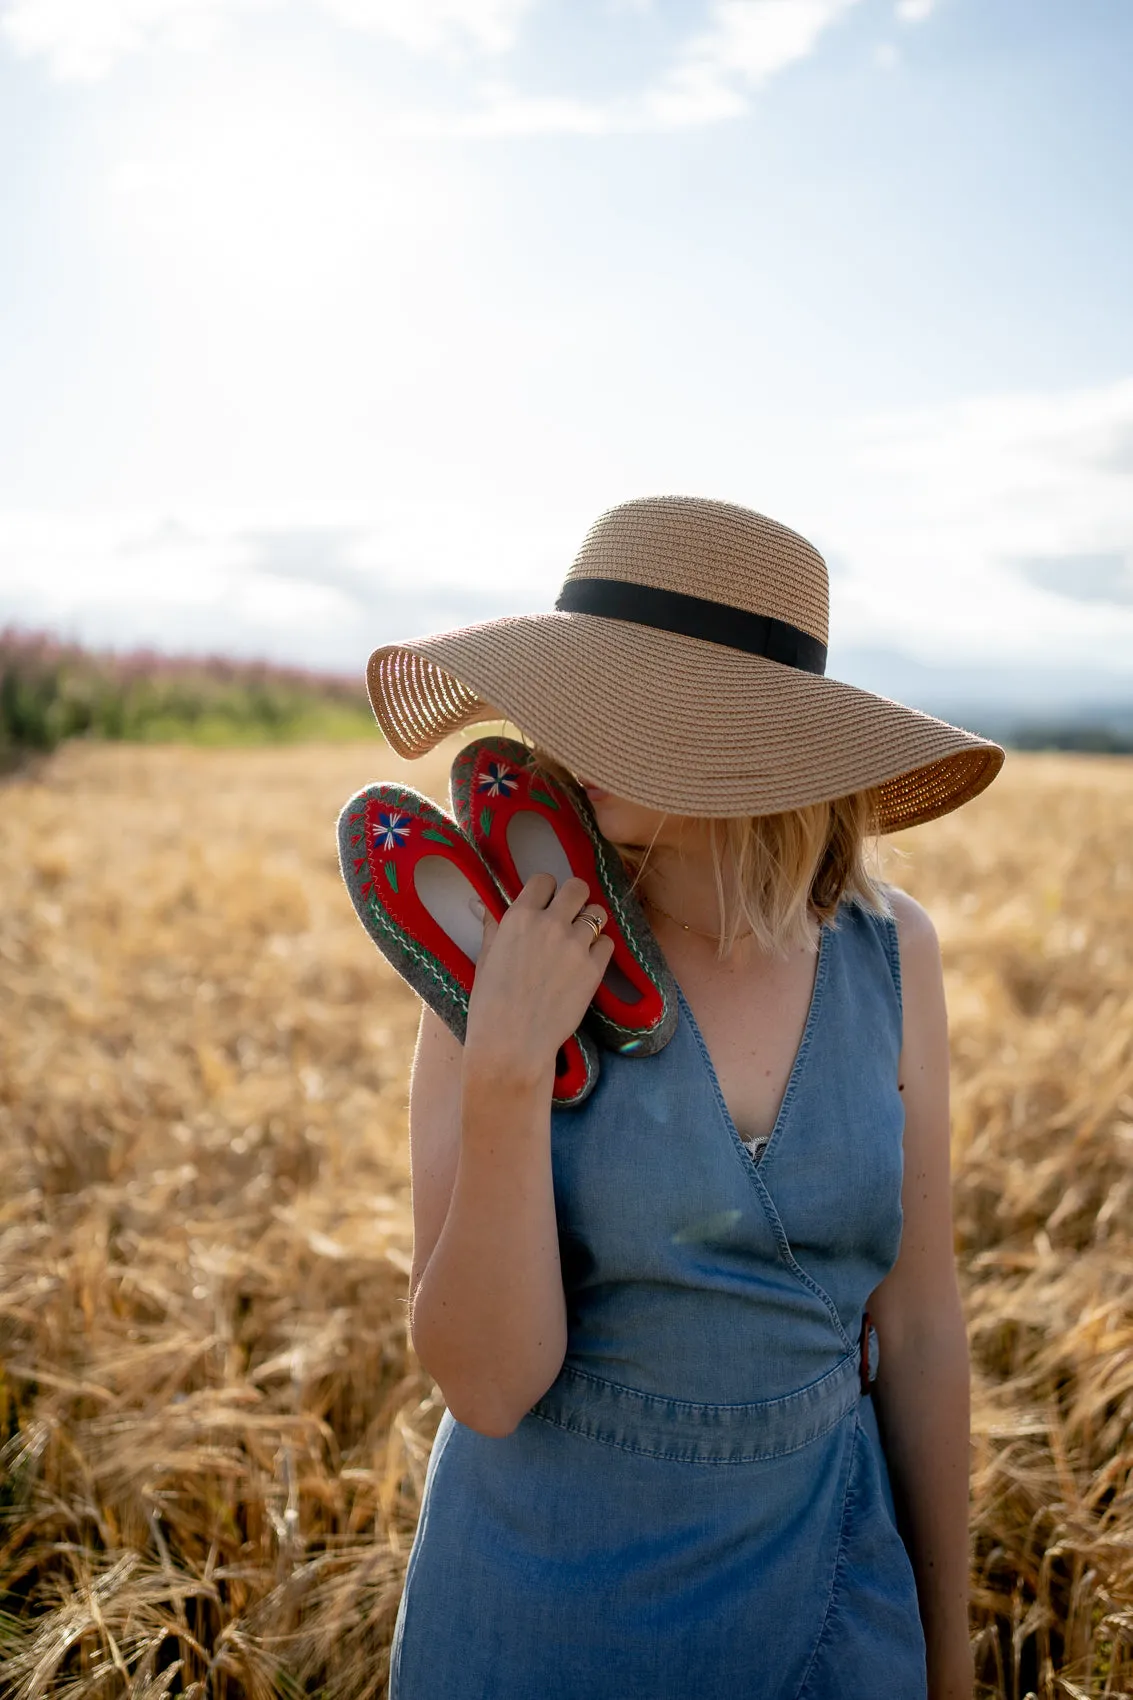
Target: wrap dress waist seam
{"points": [[684, 1431]]}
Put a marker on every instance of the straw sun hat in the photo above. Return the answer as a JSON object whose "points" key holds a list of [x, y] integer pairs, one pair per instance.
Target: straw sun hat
{"points": [[683, 668]]}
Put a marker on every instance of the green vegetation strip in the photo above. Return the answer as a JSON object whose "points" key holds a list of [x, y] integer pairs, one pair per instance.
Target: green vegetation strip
{"points": [[51, 691]]}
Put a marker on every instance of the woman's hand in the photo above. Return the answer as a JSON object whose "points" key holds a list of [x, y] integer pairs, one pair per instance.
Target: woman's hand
{"points": [[537, 972]]}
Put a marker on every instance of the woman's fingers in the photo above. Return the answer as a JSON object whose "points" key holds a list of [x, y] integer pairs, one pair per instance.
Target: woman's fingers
{"points": [[564, 902], [490, 925], [537, 893], [569, 903], [571, 897], [600, 953], [538, 968]]}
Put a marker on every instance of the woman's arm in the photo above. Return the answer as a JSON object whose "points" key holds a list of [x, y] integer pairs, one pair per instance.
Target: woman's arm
{"points": [[922, 1387], [487, 1309]]}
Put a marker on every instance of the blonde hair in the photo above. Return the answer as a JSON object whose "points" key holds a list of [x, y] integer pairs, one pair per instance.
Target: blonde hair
{"points": [[773, 873]]}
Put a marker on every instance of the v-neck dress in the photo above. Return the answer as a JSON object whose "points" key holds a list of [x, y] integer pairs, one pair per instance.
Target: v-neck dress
{"points": [[698, 1508]]}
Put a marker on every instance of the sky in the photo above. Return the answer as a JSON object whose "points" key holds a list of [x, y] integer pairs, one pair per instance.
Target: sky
{"points": [[325, 323]]}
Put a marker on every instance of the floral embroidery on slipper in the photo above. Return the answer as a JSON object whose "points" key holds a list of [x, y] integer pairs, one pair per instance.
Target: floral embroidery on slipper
{"points": [[497, 780], [391, 829]]}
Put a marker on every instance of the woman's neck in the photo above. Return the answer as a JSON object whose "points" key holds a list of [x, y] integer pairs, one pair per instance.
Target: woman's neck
{"points": [[679, 891], [680, 884]]}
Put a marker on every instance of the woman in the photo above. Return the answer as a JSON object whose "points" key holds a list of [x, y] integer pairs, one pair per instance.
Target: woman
{"points": [[677, 1460]]}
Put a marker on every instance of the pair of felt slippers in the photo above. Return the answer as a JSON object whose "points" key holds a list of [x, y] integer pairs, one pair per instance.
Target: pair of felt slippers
{"points": [[412, 872]]}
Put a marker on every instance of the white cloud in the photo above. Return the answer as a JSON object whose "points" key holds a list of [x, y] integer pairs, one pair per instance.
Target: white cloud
{"points": [[999, 529], [886, 57], [318, 595], [915, 11], [504, 111], [1106, 578], [82, 40], [430, 26], [746, 43], [742, 45], [943, 512], [751, 40]]}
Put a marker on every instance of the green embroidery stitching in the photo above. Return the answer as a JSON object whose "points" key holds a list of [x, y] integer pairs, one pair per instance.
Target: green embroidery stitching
{"points": [[485, 821], [429, 963], [437, 837], [451, 993], [542, 797], [627, 929]]}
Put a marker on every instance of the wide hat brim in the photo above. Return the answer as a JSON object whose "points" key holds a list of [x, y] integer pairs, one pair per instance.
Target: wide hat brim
{"points": [[675, 722]]}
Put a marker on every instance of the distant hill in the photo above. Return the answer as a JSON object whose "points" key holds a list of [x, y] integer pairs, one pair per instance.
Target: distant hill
{"points": [[1024, 707]]}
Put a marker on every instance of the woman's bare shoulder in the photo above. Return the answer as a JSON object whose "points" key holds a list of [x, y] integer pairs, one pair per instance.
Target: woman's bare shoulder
{"points": [[915, 928]]}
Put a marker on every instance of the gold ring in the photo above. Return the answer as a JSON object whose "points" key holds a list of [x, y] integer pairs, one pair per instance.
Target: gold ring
{"points": [[592, 921]]}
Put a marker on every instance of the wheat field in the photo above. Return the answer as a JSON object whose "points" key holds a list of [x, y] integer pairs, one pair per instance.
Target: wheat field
{"points": [[214, 1433]]}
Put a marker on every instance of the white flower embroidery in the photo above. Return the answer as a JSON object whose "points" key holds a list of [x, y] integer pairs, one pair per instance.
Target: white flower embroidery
{"points": [[498, 780], [392, 830]]}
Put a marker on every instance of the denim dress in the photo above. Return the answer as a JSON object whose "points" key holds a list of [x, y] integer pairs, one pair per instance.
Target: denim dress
{"points": [[698, 1508]]}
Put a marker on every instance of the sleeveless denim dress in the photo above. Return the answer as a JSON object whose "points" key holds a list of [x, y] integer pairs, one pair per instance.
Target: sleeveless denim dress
{"points": [[698, 1508]]}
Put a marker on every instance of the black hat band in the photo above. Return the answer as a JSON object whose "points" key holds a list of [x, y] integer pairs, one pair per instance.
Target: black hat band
{"points": [[696, 617]]}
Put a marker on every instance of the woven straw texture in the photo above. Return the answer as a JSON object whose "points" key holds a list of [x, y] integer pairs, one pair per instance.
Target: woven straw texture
{"points": [[676, 722]]}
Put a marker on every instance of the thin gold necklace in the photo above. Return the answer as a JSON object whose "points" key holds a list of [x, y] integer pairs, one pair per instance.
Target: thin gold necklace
{"points": [[699, 931]]}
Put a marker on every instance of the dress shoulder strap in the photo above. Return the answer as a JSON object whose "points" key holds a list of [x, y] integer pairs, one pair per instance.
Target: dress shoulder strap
{"points": [[884, 929], [892, 949]]}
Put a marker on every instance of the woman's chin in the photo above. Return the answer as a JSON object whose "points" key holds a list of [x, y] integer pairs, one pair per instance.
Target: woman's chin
{"points": [[624, 823]]}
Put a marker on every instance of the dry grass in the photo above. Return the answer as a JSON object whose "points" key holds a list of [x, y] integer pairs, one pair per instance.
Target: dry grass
{"points": [[217, 1435]]}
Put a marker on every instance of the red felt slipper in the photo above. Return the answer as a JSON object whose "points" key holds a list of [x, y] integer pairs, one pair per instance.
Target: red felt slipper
{"points": [[411, 872], [524, 822]]}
